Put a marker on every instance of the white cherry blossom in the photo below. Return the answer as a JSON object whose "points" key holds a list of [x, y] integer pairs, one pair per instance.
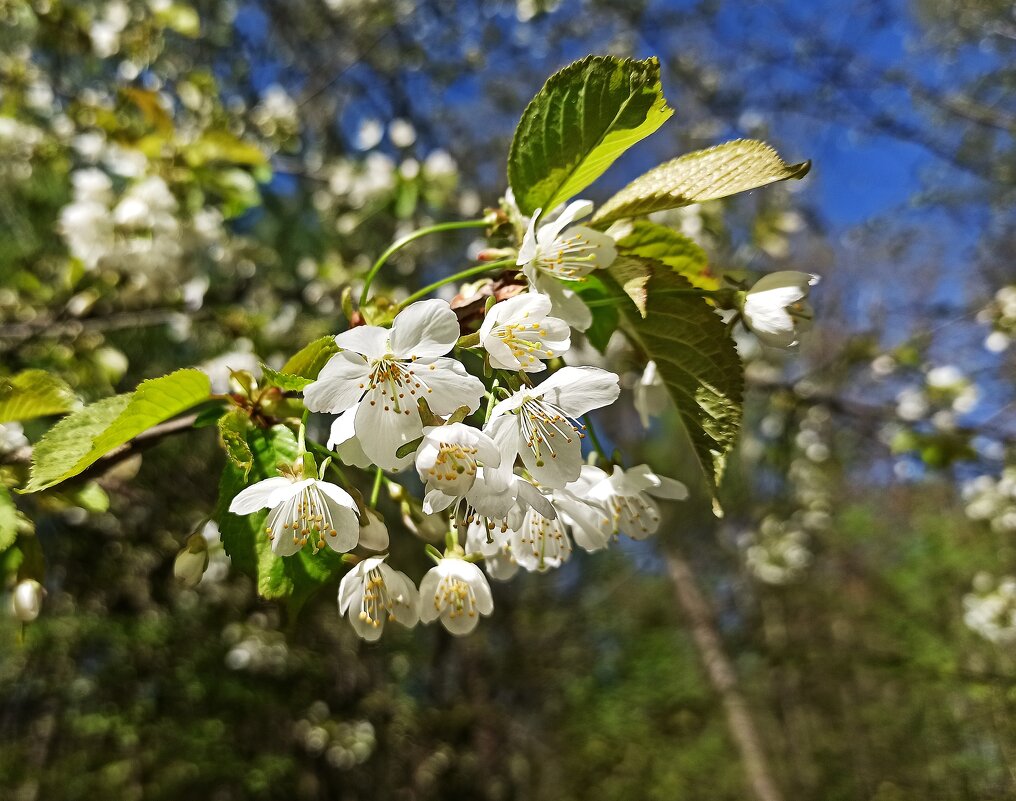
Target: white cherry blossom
{"points": [[650, 394], [494, 545], [517, 333], [456, 592], [559, 251], [539, 543], [591, 522], [372, 592], [627, 495], [448, 461], [302, 510], [776, 307], [540, 422], [384, 372]]}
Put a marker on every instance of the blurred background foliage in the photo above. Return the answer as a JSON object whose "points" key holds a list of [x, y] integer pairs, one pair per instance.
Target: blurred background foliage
{"points": [[193, 183]]}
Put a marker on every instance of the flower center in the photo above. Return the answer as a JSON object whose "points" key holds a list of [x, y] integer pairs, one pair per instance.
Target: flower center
{"points": [[376, 603], [454, 462], [546, 538], [301, 516], [545, 427], [569, 259], [456, 596], [394, 380], [524, 341]]}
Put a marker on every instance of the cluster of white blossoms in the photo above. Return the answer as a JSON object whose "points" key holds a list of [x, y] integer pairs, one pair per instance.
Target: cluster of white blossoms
{"points": [[990, 610], [1000, 314], [993, 500], [947, 393]]}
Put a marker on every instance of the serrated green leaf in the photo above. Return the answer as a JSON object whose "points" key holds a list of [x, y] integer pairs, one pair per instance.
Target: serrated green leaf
{"points": [[233, 427], [700, 176], [8, 519], [292, 578], [665, 245], [579, 123], [696, 358], [80, 439], [284, 381], [34, 393], [308, 361]]}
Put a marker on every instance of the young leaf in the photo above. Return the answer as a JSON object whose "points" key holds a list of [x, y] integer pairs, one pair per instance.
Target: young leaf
{"points": [[308, 361], [80, 439], [34, 393], [665, 245], [694, 356], [699, 176], [284, 381], [583, 118], [233, 426]]}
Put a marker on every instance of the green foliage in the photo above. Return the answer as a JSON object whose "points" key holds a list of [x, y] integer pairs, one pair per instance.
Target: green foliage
{"points": [[8, 519], [80, 439], [308, 361], [285, 381], [34, 393], [294, 578], [233, 427], [658, 242], [699, 176], [694, 354], [583, 118]]}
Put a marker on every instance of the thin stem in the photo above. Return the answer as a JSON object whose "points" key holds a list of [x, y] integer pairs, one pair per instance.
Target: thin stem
{"points": [[301, 437], [477, 270], [595, 440], [398, 244], [490, 402], [375, 493]]}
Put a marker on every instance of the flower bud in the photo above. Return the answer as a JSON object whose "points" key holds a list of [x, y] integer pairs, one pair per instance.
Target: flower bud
{"points": [[373, 531], [28, 597], [192, 561]]}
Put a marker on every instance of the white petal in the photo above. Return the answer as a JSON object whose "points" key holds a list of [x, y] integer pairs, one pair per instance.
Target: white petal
{"points": [[347, 528], [382, 433], [428, 589], [437, 501], [530, 497], [660, 486], [557, 470], [339, 385], [504, 431], [374, 535], [566, 304], [575, 210], [459, 625], [351, 582], [783, 279], [577, 390], [425, 328], [527, 252], [257, 496], [448, 386], [336, 494], [370, 341]]}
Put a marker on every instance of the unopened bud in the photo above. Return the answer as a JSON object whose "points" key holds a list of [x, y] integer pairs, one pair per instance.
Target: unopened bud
{"points": [[494, 254], [28, 597], [373, 531], [192, 561]]}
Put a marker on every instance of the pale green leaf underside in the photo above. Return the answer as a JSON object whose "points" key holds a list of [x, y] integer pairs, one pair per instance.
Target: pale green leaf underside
{"points": [[34, 393], [80, 439], [579, 123], [665, 245], [284, 381], [700, 176], [309, 360], [696, 358]]}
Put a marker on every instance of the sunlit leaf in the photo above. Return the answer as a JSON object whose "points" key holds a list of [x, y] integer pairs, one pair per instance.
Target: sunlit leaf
{"points": [[308, 361], [583, 118], [34, 393], [665, 245], [284, 381], [8, 519], [233, 427], [699, 176]]}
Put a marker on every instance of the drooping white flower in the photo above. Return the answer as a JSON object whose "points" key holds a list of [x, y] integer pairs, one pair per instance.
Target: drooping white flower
{"points": [[302, 509], [494, 545], [592, 524], [776, 307], [627, 495], [559, 251], [457, 592], [539, 543], [373, 531], [28, 595], [382, 373], [650, 394], [372, 592], [540, 422], [518, 334], [448, 460]]}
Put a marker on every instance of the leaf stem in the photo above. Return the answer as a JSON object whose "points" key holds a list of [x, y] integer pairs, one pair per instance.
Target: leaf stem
{"points": [[400, 243], [375, 493], [595, 440], [477, 270]]}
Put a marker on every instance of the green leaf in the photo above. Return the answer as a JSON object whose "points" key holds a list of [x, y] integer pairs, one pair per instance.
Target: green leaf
{"points": [[308, 361], [233, 426], [181, 18], [700, 176], [665, 245], [604, 309], [583, 118], [695, 356], [293, 578], [34, 393], [80, 439], [8, 519], [284, 381]]}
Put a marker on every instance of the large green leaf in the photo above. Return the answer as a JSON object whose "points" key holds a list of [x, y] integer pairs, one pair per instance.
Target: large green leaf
{"points": [[585, 116], [293, 578], [694, 354], [665, 245], [34, 393], [699, 176], [80, 439], [8, 519]]}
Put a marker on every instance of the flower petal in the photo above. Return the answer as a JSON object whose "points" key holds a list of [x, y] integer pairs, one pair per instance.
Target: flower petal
{"points": [[383, 431], [448, 386], [555, 470], [339, 385], [425, 328], [257, 496], [370, 341], [577, 390]]}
